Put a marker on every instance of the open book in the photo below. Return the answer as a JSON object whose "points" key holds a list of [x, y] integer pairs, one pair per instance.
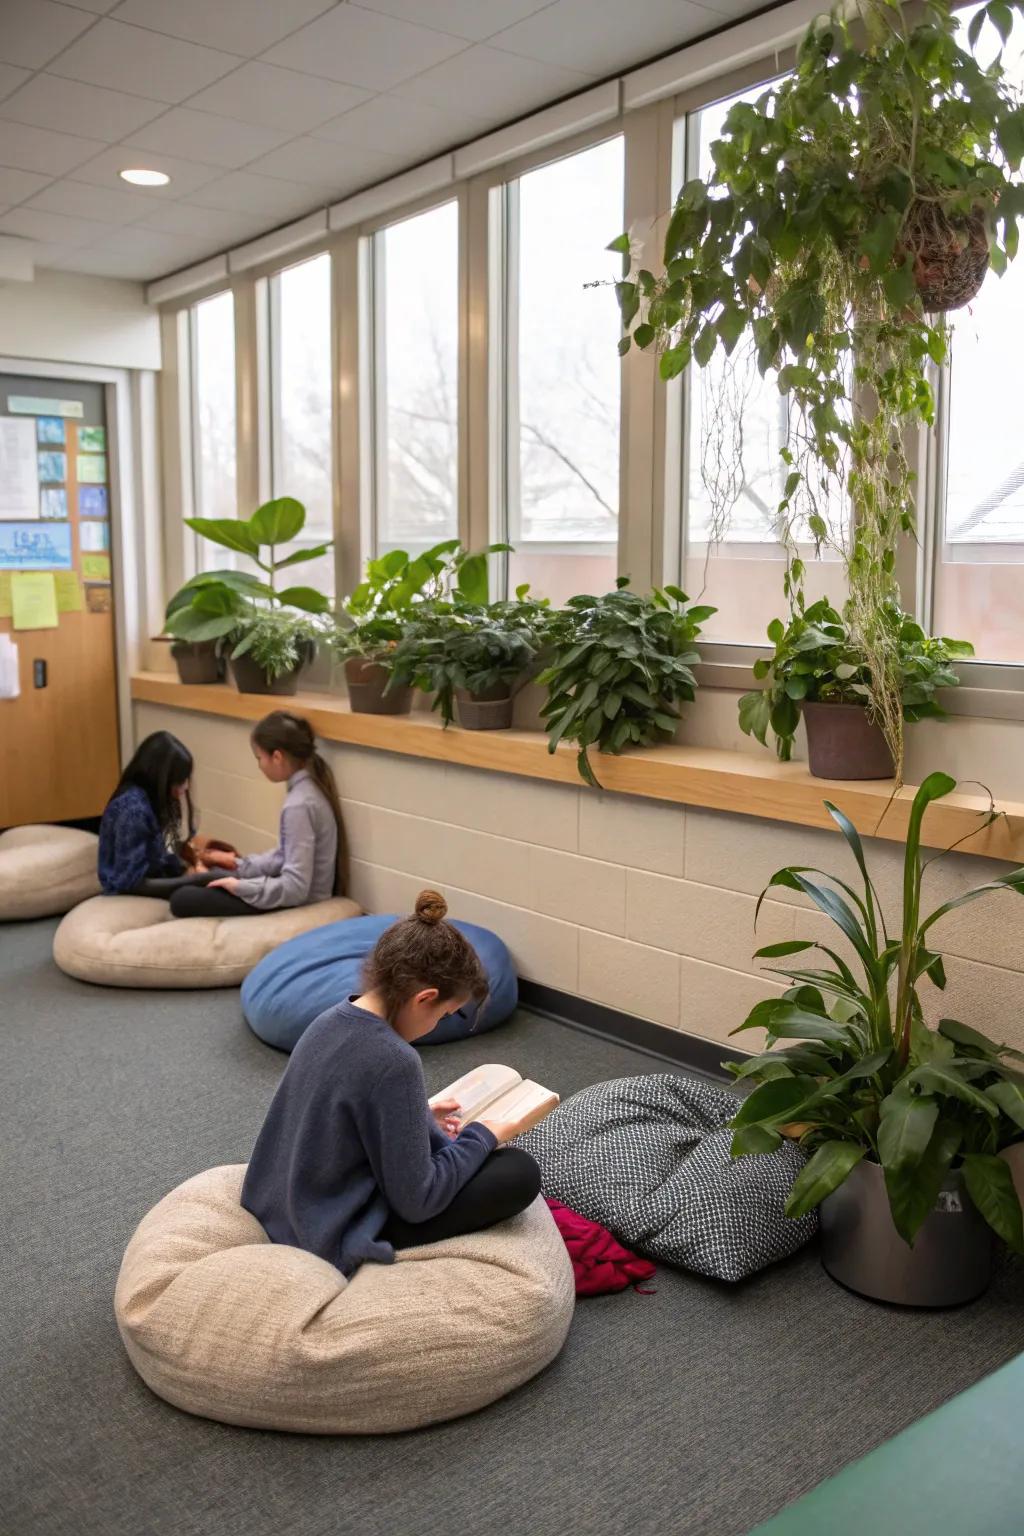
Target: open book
{"points": [[498, 1093]]}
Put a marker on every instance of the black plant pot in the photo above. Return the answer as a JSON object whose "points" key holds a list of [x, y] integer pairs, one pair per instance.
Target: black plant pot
{"points": [[198, 661], [249, 677], [843, 743]]}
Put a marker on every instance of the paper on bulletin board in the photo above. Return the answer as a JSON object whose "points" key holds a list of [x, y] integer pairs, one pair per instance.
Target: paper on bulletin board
{"points": [[97, 597], [92, 439], [92, 501], [35, 547], [53, 465], [92, 468], [5, 594], [69, 591], [53, 502], [19, 482], [33, 600], [94, 536], [34, 405], [95, 567], [50, 431]]}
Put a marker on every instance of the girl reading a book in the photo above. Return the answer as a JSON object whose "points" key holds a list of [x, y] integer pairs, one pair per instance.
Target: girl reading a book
{"points": [[352, 1162]]}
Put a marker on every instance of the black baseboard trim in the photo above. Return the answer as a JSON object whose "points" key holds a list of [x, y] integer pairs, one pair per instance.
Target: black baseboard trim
{"points": [[703, 1056]]}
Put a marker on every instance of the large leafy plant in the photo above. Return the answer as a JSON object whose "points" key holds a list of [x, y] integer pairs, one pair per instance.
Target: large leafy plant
{"points": [[622, 665], [866, 1077], [888, 155], [480, 649], [816, 661]]}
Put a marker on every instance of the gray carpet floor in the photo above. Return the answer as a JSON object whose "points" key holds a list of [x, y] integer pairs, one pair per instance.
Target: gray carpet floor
{"points": [[699, 1410]]}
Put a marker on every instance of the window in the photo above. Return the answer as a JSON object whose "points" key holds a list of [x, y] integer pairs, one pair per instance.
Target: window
{"points": [[416, 415], [563, 373], [214, 480], [736, 423], [300, 437]]}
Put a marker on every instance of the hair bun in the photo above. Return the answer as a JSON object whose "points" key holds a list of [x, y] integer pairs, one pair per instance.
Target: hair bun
{"points": [[430, 907]]}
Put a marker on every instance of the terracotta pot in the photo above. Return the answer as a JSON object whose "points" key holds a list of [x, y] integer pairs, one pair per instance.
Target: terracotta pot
{"points": [[950, 1262], [367, 681], [249, 677], [197, 661], [843, 743], [488, 711]]}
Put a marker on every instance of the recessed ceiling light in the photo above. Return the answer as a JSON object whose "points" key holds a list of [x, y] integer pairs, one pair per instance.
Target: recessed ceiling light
{"points": [[141, 178]]}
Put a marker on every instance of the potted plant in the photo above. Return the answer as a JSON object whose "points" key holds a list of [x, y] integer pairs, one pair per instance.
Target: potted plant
{"points": [[621, 666], [245, 615], [859, 198], [903, 1123], [818, 673]]}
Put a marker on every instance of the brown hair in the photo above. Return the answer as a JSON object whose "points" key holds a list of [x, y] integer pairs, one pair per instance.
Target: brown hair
{"points": [[424, 951], [293, 736]]}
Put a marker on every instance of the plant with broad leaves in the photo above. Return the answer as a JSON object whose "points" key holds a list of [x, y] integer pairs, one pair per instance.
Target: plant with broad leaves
{"points": [[865, 1076], [622, 665], [816, 661]]}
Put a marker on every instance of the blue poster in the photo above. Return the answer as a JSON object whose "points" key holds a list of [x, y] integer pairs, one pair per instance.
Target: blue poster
{"points": [[53, 465], [35, 546], [50, 429], [92, 501]]}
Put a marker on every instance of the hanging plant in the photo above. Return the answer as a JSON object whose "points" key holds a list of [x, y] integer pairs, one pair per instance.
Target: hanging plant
{"points": [[869, 189]]}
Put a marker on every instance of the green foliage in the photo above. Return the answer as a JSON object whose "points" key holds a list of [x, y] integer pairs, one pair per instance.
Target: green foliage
{"points": [[806, 242], [867, 1077], [622, 664], [458, 645], [816, 660], [277, 640]]}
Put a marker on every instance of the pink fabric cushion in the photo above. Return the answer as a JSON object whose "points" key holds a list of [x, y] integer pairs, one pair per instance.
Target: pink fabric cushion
{"points": [[599, 1263]]}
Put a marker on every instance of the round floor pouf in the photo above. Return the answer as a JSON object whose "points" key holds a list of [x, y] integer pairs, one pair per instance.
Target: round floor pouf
{"points": [[223, 1323], [300, 980], [133, 941], [46, 870]]}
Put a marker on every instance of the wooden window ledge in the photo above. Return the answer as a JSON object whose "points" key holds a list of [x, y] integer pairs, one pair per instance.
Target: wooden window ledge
{"points": [[742, 783]]}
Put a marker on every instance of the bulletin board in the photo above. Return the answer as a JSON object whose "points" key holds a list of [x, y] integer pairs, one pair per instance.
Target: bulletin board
{"points": [[59, 752]]}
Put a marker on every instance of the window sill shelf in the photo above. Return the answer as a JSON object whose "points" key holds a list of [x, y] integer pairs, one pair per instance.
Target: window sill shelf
{"points": [[738, 782]]}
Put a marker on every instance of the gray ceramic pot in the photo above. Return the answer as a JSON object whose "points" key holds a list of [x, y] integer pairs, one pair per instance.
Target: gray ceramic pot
{"points": [[950, 1262], [490, 711], [367, 681], [250, 677], [842, 743]]}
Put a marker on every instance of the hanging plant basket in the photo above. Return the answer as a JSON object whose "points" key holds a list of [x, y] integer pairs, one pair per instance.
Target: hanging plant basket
{"points": [[949, 252]]}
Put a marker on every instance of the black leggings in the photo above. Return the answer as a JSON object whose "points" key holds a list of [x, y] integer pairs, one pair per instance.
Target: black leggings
{"points": [[164, 886], [507, 1183], [196, 901]]}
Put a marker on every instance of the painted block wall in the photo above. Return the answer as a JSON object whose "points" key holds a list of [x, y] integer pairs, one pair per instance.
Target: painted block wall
{"points": [[641, 905]]}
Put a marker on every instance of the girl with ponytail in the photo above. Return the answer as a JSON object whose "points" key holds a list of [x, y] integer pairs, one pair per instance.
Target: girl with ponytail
{"points": [[311, 861]]}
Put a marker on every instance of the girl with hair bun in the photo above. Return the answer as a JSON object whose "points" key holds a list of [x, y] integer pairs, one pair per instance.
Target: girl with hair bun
{"points": [[311, 861], [352, 1162]]}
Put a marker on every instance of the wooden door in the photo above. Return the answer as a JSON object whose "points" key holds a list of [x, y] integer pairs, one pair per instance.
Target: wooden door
{"points": [[59, 750]]}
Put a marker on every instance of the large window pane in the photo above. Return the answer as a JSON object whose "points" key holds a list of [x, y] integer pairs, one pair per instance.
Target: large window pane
{"points": [[564, 372], [733, 477], [214, 485], [417, 380], [301, 403]]}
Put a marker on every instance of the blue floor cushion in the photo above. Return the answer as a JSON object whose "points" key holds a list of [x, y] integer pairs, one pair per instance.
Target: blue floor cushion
{"points": [[296, 982]]}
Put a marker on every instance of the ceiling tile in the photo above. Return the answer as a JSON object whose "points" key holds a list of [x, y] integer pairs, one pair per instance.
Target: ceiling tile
{"points": [[472, 19], [53, 228], [239, 26], [72, 107], [603, 36], [11, 77], [364, 48], [398, 127], [32, 32], [15, 185], [105, 171], [79, 200], [162, 68], [325, 164], [137, 253], [494, 86], [38, 149], [220, 229], [203, 137], [242, 192], [277, 98]]}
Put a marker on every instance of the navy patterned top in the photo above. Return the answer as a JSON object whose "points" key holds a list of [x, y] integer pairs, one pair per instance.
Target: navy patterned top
{"points": [[132, 847]]}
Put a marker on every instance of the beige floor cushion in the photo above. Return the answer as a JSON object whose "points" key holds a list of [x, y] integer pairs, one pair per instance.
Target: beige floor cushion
{"points": [[133, 941], [46, 870], [219, 1321]]}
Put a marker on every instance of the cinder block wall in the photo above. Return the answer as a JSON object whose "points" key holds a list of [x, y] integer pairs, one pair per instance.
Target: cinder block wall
{"points": [[641, 905]]}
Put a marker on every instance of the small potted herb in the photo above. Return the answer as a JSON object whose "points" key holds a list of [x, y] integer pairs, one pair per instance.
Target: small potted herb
{"points": [[818, 673], [904, 1125], [271, 648], [621, 667]]}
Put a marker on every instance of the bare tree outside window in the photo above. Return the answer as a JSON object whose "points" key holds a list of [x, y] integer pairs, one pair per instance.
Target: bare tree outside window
{"points": [[215, 488], [301, 401]]}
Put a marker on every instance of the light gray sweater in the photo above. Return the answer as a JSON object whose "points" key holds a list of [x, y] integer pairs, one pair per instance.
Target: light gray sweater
{"points": [[302, 869]]}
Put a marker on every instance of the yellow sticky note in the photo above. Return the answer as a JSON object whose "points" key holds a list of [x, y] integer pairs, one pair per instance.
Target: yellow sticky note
{"points": [[95, 567], [34, 600], [69, 592], [5, 594]]}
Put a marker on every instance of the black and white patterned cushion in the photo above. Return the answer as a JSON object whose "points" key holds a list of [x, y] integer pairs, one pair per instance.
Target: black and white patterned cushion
{"points": [[648, 1158]]}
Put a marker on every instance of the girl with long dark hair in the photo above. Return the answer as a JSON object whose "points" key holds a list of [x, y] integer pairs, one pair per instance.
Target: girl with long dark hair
{"points": [[311, 861], [146, 827]]}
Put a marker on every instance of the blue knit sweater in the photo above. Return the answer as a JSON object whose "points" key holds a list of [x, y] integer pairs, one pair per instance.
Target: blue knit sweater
{"points": [[349, 1138], [132, 846]]}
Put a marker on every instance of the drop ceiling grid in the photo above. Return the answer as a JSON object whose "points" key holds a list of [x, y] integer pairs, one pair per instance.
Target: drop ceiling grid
{"points": [[261, 113]]}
